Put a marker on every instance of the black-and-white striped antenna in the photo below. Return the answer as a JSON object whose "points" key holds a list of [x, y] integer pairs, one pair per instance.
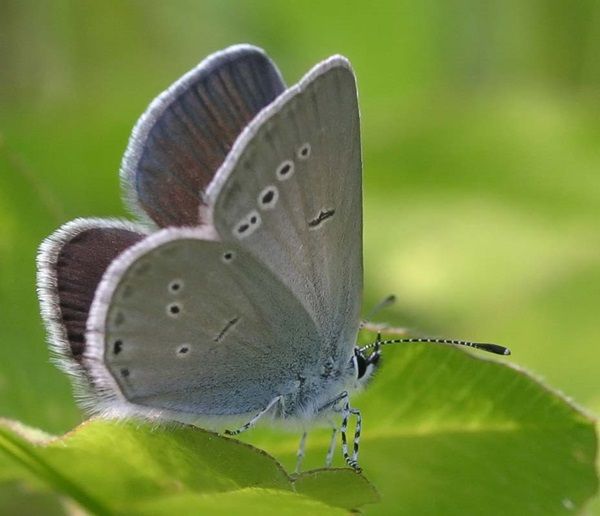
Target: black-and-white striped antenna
{"points": [[484, 346]]}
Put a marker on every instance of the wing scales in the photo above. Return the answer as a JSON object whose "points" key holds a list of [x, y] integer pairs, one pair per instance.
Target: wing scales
{"points": [[196, 360], [306, 145]]}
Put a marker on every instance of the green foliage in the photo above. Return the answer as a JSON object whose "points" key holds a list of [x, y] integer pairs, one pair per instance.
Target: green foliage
{"points": [[137, 468], [481, 138], [444, 432]]}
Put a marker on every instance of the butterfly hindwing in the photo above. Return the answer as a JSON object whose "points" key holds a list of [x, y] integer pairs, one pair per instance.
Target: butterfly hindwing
{"points": [[185, 324], [70, 265]]}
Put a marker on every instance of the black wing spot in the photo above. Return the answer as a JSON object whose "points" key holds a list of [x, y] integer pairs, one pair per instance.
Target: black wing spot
{"points": [[175, 286], [304, 151], [248, 224], [227, 327], [117, 346], [322, 217], [267, 199], [124, 372], [174, 309], [285, 170], [228, 256], [183, 350]]}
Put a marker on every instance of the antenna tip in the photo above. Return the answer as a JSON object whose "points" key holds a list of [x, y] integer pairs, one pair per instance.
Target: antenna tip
{"points": [[493, 348]]}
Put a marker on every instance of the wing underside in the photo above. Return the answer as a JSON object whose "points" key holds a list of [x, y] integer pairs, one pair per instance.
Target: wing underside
{"points": [[191, 325], [290, 194]]}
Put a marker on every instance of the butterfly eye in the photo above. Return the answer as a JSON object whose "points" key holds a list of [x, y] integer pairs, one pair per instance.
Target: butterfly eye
{"points": [[304, 151], [361, 365]]}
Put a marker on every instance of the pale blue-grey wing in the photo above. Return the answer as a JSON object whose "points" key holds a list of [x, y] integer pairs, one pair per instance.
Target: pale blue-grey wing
{"points": [[70, 265], [183, 137], [198, 327], [290, 194]]}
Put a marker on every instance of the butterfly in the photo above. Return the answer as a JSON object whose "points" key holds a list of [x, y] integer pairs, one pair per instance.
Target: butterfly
{"points": [[237, 294]]}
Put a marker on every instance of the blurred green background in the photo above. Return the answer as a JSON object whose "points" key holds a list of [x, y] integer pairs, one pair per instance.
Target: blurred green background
{"points": [[481, 137]]}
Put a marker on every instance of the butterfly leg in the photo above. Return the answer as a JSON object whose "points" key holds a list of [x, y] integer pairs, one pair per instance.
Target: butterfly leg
{"points": [[300, 452], [253, 421], [331, 449], [347, 410]]}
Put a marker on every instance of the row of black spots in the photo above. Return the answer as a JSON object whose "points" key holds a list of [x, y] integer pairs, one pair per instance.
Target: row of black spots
{"points": [[248, 225], [287, 168], [181, 350], [268, 197], [117, 348]]}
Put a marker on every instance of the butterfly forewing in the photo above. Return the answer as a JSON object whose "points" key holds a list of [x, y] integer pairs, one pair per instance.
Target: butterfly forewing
{"points": [[290, 194], [188, 325]]}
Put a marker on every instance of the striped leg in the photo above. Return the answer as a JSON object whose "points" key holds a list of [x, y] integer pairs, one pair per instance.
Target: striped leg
{"points": [[346, 411], [331, 449], [300, 452], [253, 421]]}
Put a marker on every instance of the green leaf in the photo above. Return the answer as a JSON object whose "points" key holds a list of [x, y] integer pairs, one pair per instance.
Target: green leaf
{"points": [[339, 487], [446, 432], [134, 467], [241, 501]]}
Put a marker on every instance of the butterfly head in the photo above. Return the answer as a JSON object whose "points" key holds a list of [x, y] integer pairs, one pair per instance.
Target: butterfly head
{"points": [[364, 365]]}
